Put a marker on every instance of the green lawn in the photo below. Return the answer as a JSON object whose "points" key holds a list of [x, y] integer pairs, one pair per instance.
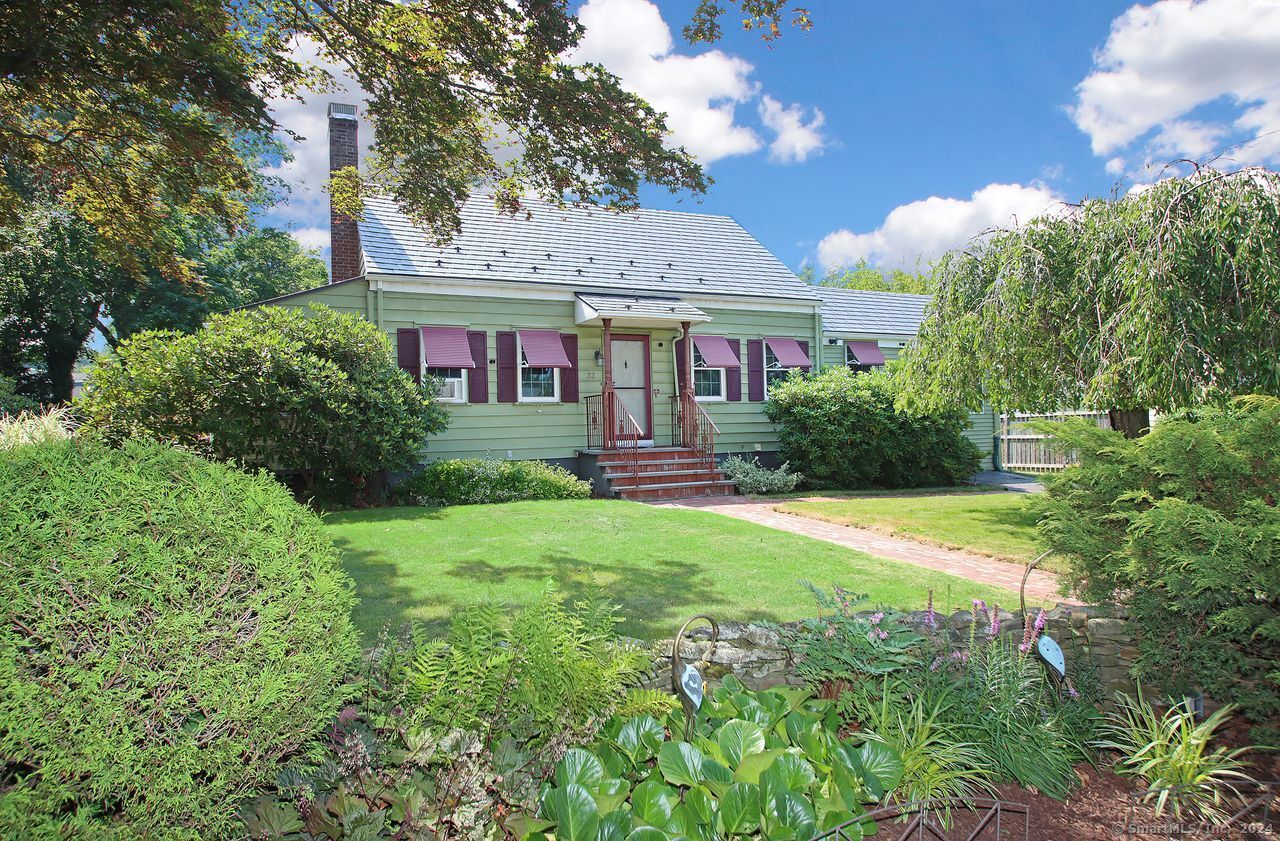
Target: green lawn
{"points": [[662, 565], [999, 524]]}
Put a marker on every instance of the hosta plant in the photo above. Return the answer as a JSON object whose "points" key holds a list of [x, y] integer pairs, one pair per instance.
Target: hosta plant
{"points": [[756, 765]]}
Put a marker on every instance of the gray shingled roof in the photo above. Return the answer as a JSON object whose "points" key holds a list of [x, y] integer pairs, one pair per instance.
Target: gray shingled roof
{"points": [[639, 251], [860, 311]]}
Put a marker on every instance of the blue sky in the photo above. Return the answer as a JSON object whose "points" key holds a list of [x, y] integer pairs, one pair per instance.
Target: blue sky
{"points": [[893, 131]]}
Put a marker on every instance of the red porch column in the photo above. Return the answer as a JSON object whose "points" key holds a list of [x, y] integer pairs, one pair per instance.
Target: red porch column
{"points": [[606, 386], [686, 394], [688, 358]]}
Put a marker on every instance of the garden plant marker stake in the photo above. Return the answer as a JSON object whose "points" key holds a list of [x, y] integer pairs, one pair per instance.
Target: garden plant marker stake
{"points": [[686, 681]]}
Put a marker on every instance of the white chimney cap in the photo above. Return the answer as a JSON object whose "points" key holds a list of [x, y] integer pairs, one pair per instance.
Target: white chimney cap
{"points": [[344, 112]]}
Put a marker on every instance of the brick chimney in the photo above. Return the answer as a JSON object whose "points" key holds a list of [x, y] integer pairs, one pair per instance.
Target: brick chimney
{"points": [[344, 151]]}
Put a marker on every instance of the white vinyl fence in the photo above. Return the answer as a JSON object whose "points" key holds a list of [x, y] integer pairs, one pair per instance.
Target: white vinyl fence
{"points": [[1025, 449]]}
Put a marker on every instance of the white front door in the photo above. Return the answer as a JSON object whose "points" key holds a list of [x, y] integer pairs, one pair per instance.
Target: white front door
{"points": [[630, 358]]}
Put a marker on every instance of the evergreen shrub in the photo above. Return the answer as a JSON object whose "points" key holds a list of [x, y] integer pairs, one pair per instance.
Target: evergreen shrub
{"points": [[172, 629]]}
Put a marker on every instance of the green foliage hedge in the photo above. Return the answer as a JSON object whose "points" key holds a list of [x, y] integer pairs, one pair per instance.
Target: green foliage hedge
{"points": [[471, 481], [11, 402], [173, 628], [840, 430], [314, 392], [1183, 526]]}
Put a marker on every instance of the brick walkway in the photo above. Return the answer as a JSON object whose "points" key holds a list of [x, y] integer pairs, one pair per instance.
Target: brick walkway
{"points": [[1041, 586]]}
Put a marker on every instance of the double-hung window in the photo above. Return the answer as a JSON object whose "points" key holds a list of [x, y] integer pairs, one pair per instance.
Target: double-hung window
{"points": [[538, 384], [773, 371], [708, 382]]}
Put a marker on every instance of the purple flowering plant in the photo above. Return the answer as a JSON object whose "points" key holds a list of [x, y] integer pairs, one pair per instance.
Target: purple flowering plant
{"points": [[844, 644]]}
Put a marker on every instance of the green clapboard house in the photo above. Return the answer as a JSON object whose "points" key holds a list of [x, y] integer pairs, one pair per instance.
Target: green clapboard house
{"points": [[635, 348]]}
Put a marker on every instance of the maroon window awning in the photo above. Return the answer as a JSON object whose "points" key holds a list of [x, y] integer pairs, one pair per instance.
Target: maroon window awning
{"points": [[543, 349], [446, 347], [789, 353], [716, 352], [867, 353]]}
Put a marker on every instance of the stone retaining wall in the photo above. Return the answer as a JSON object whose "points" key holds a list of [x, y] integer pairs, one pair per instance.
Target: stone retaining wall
{"points": [[1099, 638]]}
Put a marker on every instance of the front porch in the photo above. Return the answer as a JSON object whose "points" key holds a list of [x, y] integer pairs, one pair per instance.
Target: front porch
{"points": [[624, 455]]}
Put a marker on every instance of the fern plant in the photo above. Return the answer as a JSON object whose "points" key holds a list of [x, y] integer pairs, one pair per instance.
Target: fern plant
{"points": [[552, 669], [1171, 752]]}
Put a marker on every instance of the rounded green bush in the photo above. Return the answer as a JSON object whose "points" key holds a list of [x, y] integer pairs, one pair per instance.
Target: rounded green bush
{"points": [[841, 429], [173, 628], [472, 481]]}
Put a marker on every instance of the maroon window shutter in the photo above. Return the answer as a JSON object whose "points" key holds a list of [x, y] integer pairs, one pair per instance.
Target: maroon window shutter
{"points": [[682, 365], [734, 375], [755, 369], [478, 379], [804, 346], [407, 351], [508, 370], [569, 376]]}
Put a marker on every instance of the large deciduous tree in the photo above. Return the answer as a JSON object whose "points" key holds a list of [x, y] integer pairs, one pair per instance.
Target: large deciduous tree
{"points": [[131, 109], [1164, 298], [56, 291], [862, 275]]}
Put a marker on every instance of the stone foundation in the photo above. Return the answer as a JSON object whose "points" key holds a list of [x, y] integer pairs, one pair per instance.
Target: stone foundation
{"points": [[1097, 637]]}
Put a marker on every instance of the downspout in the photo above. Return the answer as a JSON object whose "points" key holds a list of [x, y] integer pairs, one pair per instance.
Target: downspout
{"points": [[817, 337]]}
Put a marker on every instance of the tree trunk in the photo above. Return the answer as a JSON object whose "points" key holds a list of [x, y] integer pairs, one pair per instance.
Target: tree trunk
{"points": [[1131, 423]]}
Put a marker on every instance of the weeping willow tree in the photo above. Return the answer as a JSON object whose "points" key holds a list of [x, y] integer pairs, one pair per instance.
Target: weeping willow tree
{"points": [[1161, 299]]}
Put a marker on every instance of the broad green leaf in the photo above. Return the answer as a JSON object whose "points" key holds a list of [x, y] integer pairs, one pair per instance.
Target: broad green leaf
{"points": [[616, 763], [738, 738], [716, 777], [806, 732], [579, 766], [795, 695], [641, 737], [610, 794], [749, 770], [680, 763], [574, 811], [700, 804], [793, 811], [653, 801], [831, 820], [881, 766], [791, 772], [648, 833], [739, 809], [614, 826]]}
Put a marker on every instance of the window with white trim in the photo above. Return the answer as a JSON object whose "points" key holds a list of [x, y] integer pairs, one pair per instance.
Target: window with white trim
{"points": [[708, 383], [451, 384], [773, 370], [538, 384], [851, 361]]}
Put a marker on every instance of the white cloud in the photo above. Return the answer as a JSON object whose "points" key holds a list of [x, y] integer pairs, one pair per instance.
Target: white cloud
{"points": [[925, 229], [795, 139], [312, 237], [1164, 61], [698, 93]]}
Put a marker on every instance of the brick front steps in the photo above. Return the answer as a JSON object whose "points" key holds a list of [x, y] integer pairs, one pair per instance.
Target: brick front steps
{"points": [[659, 473]]}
